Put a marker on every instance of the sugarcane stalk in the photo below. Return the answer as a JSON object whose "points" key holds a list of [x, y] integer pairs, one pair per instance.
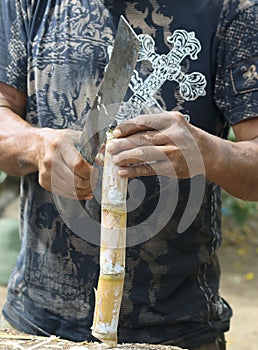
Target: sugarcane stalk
{"points": [[109, 292]]}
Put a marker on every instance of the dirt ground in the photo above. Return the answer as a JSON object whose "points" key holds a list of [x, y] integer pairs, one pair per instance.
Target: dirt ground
{"points": [[239, 284]]}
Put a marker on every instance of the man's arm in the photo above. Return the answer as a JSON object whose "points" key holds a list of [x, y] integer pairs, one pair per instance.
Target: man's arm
{"points": [[152, 144], [16, 136], [236, 163], [25, 149]]}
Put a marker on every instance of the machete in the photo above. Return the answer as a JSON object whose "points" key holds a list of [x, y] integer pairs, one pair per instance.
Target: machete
{"points": [[112, 91]]}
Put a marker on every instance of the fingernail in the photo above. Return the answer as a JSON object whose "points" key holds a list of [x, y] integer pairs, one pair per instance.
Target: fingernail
{"points": [[117, 133], [123, 172], [89, 197]]}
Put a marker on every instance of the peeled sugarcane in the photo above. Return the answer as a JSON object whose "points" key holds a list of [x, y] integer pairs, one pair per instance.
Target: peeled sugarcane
{"points": [[112, 92], [112, 252]]}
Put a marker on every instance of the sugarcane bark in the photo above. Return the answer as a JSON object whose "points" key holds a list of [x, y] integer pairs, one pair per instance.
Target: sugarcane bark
{"points": [[112, 254]]}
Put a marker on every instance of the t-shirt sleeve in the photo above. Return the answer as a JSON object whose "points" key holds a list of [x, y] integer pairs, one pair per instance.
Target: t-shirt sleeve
{"points": [[13, 47], [236, 87]]}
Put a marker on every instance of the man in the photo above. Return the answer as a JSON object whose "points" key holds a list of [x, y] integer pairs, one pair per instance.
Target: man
{"points": [[198, 60]]}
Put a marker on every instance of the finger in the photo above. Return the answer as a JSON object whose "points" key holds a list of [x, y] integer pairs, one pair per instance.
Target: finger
{"points": [[82, 168], [143, 155], [61, 187], [100, 156], [63, 180], [71, 186], [87, 184], [137, 140], [75, 161], [135, 125], [151, 169], [72, 180], [136, 171], [146, 122], [67, 153], [65, 163]]}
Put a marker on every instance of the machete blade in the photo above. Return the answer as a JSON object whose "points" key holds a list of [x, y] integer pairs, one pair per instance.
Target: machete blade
{"points": [[111, 92]]}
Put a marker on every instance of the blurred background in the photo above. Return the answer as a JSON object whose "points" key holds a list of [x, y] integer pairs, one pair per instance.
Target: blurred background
{"points": [[238, 255]]}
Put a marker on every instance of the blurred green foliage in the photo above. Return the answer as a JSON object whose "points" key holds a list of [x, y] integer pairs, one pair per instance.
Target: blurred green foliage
{"points": [[9, 247], [238, 209]]}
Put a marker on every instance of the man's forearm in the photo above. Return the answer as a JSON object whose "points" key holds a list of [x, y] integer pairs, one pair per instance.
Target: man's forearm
{"points": [[17, 144], [233, 166]]}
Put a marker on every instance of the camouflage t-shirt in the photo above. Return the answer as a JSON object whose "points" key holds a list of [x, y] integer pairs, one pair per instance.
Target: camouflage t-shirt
{"points": [[198, 57]]}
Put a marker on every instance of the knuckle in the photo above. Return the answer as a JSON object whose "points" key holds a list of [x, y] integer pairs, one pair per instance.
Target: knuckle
{"points": [[178, 115], [140, 153], [59, 139], [48, 162], [147, 153], [43, 170], [148, 169], [174, 114], [145, 138], [83, 193], [142, 120], [44, 180], [79, 162], [55, 142]]}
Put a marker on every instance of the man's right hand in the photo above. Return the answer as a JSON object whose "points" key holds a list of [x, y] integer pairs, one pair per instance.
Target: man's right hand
{"points": [[25, 149], [62, 169]]}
